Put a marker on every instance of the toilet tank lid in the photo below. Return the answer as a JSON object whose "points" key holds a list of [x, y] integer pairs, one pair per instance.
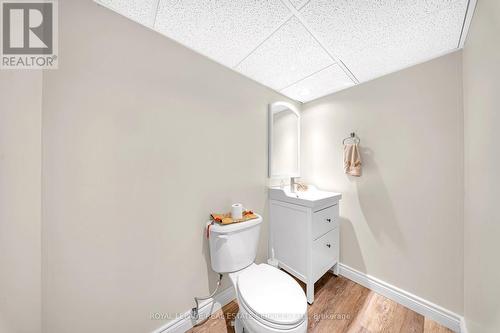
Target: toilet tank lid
{"points": [[228, 228]]}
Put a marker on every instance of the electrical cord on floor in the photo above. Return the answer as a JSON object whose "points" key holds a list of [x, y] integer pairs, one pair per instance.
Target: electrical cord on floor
{"points": [[195, 311]]}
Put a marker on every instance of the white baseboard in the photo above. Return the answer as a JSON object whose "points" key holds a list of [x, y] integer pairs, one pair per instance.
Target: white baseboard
{"points": [[184, 322], [428, 309], [463, 326]]}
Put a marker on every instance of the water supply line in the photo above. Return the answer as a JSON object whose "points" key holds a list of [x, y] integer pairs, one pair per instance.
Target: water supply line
{"points": [[195, 311]]}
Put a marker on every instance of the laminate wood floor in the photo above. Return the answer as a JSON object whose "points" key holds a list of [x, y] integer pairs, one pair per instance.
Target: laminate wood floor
{"points": [[342, 305]]}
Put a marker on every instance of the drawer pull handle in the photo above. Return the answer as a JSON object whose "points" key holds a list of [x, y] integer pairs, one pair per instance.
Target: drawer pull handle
{"points": [[328, 245], [328, 220]]}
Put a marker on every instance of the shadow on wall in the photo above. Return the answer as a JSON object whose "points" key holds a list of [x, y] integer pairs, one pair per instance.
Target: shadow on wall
{"points": [[265, 233], [212, 276], [375, 203], [355, 256], [3, 325]]}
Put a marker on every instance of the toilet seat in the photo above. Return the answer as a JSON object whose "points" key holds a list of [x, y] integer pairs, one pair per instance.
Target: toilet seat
{"points": [[271, 297], [262, 322]]}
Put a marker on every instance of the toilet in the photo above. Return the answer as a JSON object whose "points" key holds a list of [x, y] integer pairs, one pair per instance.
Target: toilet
{"points": [[269, 300]]}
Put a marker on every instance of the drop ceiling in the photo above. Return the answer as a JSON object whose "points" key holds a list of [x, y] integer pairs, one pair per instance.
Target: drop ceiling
{"points": [[307, 49]]}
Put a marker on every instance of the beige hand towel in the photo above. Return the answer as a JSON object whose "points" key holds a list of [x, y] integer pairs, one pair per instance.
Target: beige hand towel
{"points": [[352, 160]]}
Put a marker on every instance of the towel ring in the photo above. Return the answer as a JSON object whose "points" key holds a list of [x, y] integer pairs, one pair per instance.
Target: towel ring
{"points": [[352, 137]]}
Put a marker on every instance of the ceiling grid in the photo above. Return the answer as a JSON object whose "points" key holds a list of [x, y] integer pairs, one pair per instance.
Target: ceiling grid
{"points": [[306, 49], [335, 58], [258, 45]]}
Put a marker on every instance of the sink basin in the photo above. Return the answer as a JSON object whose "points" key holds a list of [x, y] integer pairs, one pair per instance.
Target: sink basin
{"points": [[310, 198]]}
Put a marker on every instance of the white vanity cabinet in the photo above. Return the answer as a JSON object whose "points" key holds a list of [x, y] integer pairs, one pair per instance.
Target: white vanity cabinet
{"points": [[304, 233]]}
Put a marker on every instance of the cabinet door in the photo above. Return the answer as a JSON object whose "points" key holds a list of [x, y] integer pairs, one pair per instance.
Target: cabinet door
{"points": [[325, 253], [289, 237], [325, 220]]}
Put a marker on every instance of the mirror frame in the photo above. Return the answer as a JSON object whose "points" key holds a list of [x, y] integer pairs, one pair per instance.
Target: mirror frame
{"points": [[271, 113]]}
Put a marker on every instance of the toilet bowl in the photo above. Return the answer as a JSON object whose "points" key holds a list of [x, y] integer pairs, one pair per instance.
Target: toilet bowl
{"points": [[269, 300]]}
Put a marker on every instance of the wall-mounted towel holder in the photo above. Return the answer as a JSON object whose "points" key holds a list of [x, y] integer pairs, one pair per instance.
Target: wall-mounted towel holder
{"points": [[352, 137]]}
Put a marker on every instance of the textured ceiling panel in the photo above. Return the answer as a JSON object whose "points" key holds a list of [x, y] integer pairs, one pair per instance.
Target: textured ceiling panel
{"points": [[224, 30], [373, 38], [292, 46], [324, 82], [286, 57], [405, 51], [142, 11], [298, 3]]}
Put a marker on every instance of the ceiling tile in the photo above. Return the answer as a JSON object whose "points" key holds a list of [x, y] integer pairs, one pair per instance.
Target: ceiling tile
{"points": [[142, 11], [298, 3], [324, 82], [374, 38], [264, 41], [288, 56], [224, 30], [411, 47]]}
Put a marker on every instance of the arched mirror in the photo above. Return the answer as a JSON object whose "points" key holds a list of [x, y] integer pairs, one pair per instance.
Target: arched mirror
{"points": [[284, 140]]}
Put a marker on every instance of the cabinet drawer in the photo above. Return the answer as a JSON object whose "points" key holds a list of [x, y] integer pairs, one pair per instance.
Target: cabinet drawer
{"points": [[325, 253], [324, 221]]}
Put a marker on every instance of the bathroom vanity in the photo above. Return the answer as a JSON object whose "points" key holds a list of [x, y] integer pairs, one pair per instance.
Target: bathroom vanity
{"points": [[304, 233], [303, 225]]}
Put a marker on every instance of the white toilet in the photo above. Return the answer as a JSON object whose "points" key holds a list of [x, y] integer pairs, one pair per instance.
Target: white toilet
{"points": [[269, 299]]}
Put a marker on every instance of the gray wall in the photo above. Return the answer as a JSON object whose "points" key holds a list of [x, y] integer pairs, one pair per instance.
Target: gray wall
{"points": [[20, 206], [481, 66], [142, 139], [402, 220]]}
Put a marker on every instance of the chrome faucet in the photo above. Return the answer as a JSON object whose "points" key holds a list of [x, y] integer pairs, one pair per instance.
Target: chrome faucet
{"points": [[293, 183]]}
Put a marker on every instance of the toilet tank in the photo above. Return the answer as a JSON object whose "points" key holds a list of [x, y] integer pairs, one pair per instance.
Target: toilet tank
{"points": [[233, 246]]}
